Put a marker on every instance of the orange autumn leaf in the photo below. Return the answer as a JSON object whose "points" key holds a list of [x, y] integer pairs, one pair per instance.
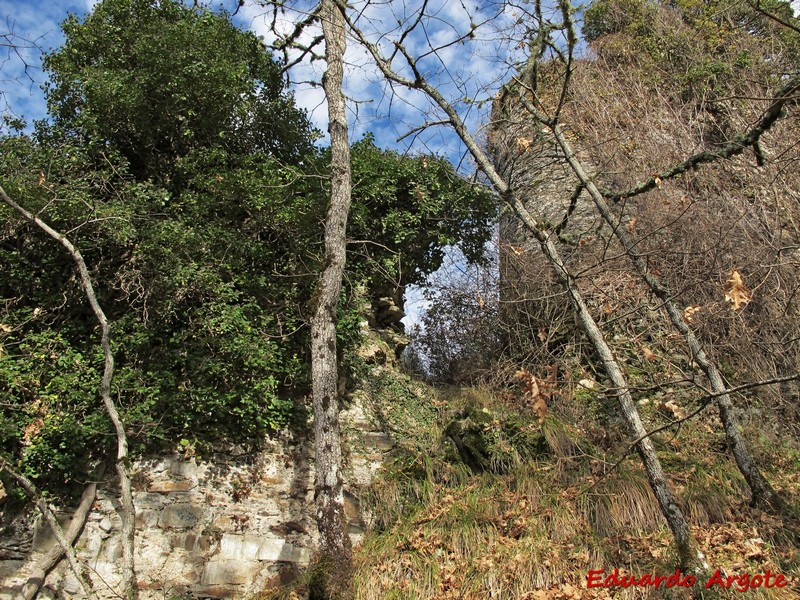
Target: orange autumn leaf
{"points": [[533, 391], [648, 354], [736, 292]]}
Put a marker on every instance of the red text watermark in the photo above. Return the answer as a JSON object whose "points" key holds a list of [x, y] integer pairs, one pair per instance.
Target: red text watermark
{"points": [[598, 578]]}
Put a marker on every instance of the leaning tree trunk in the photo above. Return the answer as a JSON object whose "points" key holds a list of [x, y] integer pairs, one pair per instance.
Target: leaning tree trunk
{"points": [[47, 562], [332, 577], [688, 554], [63, 540], [762, 492]]}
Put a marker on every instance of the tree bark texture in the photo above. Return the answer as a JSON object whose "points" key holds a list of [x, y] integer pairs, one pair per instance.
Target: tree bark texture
{"points": [[130, 588], [333, 573]]}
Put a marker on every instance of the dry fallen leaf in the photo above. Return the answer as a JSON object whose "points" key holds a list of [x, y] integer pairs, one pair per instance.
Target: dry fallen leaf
{"points": [[524, 143], [690, 311], [533, 392], [674, 409], [648, 354], [31, 431], [658, 181], [736, 292]]}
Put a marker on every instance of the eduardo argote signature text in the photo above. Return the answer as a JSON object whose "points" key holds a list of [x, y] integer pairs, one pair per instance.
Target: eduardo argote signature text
{"points": [[597, 578]]}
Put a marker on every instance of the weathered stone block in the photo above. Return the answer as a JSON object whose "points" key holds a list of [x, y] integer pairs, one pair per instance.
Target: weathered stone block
{"points": [[43, 538], [106, 525], [240, 547], [188, 469], [378, 440], [113, 550], [273, 549], [253, 547], [215, 591], [146, 519], [193, 543], [222, 571], [147, 500], [352, 506], [165, 487], [181, 515]]}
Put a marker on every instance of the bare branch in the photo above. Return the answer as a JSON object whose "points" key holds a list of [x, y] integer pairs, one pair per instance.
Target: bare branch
{"points": [[756, 6], [660, 485], [786, 94], [58, 532], [422, 127]]}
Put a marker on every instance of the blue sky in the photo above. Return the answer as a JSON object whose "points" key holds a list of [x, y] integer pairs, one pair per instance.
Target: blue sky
{"points": [[34, 25], [464, 70], [470, 70], [473, 69]]}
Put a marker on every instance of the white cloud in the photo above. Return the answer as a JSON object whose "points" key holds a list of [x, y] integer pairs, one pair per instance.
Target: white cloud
{"points": [[36, 28], [459, 70]]}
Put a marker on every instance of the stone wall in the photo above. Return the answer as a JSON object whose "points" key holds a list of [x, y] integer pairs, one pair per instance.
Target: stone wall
{"points": [[528, 158], [219, 526]]}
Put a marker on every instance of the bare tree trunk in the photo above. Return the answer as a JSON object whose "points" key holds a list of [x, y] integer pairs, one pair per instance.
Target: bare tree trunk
{"points": [[56, 553], [333, 572], [130, 589], [762, 492], [63, 542]]}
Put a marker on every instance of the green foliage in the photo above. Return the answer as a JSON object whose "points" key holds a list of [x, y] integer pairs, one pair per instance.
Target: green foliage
{"points": [[47, 390], [411, 209], [140, 75], [165, 166], [604, 17], [488, 439], [694, 47]]}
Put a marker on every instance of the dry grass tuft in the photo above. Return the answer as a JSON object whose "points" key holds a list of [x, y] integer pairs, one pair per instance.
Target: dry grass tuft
{"points": [[624, 502]]}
